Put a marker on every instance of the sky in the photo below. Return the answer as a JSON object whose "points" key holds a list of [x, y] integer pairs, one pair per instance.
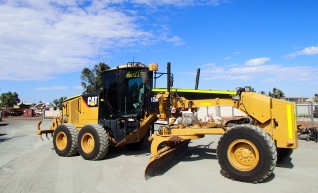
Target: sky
{"points": [[45, 44]]}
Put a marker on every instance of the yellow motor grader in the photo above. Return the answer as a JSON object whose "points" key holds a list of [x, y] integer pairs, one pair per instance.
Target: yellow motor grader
{"points": [[119, 114], [124, 111]]}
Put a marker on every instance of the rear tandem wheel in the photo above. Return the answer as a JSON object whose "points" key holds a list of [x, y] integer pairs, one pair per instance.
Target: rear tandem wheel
{"points": [[247, 153], [65, 140]]}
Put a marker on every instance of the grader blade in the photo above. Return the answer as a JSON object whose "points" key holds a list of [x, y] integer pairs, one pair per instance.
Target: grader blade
{"points": [[161, 163]]}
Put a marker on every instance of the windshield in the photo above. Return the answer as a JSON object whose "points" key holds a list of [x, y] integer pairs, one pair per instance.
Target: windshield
{"points": [[133, 94], [123, 92]]}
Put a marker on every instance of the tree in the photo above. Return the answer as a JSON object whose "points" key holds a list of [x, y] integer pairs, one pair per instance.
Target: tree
{"points": [[253, 89], [316, 98], [263, 92], [277, 93], [91, 79], [59, 102], [9, 99]]}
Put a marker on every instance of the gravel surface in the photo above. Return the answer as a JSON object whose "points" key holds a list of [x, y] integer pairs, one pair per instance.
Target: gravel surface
{"points": [[28, 164]]}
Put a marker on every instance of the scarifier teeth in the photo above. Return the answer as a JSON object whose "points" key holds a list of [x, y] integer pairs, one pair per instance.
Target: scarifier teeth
{"points": [[42, 132]]}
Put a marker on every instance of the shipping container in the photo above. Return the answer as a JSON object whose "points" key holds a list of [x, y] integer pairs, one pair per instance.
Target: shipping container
{"points": [[28, 112]]}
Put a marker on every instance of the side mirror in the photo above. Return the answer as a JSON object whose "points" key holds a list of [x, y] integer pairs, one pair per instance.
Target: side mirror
{"points": [[145, 77]]}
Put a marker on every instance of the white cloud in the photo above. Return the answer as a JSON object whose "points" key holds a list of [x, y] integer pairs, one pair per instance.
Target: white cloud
{"points": [[175, 40], [257, 61], [233, 54], [51, 88], [48, 88], [180, 3], [206, 66], [42, 39], [261, 73], [78, 87], [312, 50], [38, 41]]}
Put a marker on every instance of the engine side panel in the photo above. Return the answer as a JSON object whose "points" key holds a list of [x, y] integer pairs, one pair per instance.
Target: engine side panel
{"points": [[256, 105], [81, 110]]}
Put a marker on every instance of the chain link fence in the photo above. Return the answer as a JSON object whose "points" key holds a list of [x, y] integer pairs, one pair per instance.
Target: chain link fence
{"points": [[307, 117], [307, 112]]}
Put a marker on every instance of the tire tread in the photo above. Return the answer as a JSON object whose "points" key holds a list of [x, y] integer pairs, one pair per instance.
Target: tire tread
{"points": [[74, 134], [103, 141]]}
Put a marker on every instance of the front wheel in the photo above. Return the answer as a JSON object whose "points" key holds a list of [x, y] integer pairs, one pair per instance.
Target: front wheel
{"points": [[247, 153]]}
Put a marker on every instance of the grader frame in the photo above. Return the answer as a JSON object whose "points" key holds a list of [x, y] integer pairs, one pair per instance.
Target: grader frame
{"points": [[247, 150]]}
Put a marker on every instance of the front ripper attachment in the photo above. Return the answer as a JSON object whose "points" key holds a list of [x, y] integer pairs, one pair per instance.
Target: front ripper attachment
{"points": [[162, 162], [40, 132]]}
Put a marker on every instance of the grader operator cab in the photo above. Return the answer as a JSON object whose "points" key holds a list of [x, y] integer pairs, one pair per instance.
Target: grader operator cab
{"points": [[123, 114]]}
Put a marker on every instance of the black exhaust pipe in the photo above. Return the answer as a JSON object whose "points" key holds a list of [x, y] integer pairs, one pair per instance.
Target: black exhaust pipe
{"points": [[197, 78], [168, 89]]}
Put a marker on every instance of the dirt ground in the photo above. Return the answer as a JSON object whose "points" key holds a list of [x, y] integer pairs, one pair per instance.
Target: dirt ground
{"points": [[28, 164]]}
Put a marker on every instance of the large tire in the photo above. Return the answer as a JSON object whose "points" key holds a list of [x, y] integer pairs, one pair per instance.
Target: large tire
{"points": [[93, 142], [283, 154], [65, 140], [247, 153]]}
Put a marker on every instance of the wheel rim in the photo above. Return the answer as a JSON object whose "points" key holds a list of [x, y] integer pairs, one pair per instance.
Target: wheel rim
{"points": [[88, 143], [243, 155], [61, 140]]}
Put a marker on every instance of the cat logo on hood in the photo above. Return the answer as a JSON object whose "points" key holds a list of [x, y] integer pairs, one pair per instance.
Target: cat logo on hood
{"points": [[92, 101]]}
